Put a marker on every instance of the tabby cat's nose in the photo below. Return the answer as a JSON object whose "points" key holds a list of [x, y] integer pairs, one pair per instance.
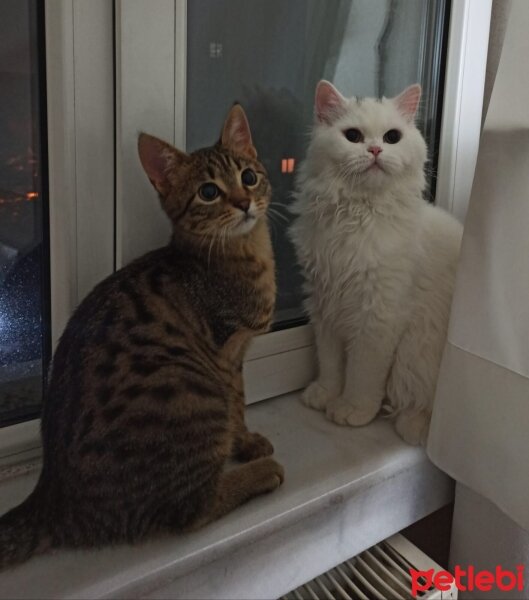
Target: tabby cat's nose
{"points": [[242, 203]]}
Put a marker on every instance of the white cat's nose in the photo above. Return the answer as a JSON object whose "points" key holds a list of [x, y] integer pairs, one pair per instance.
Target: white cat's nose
{"points": [[374, 150]]}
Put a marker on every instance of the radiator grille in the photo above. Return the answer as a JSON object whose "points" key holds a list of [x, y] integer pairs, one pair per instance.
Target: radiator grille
{"points": [[380, 573]]}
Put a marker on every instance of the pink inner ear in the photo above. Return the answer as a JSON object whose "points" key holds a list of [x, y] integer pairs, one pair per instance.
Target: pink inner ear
{"points": [[152, 158], [236, 134], [329, 102], [408, 101], [239, 133]]}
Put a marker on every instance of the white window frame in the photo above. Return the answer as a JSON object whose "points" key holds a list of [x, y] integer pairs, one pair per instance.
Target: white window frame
{"points": [[80, 90], [463, 103], [84, 188]]}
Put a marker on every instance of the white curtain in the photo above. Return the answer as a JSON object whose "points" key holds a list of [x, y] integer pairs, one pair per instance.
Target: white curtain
{"points": [[480, 427]]}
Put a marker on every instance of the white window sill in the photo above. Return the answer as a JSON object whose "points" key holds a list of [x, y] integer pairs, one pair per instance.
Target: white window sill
{"points": [[345, 490]]}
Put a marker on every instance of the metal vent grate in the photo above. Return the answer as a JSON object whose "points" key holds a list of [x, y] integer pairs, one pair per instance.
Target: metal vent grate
{"points": [[380, 573]]}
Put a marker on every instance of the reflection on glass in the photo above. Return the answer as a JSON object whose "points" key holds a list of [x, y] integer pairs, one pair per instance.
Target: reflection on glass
{"points": [[269, 55], [23, 264]]}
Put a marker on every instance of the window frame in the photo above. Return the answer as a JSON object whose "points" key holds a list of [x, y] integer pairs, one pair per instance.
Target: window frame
{"points": [[156, 103], [88, 133], [80, 123], [464, 86], [79, 74]]}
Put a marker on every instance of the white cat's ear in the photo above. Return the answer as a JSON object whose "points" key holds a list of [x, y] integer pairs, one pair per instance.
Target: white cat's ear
{"points": [[236, 135], [158, 158], [329, 103], [408, 101]]}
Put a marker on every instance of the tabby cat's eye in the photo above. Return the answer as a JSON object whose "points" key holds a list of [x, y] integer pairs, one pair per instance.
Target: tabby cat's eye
{"points": [[209, 192], [354, 135], [392, 136], [248, 177]]}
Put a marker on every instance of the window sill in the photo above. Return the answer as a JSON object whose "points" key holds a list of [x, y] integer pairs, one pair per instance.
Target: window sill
{"points": [[345, 490]]}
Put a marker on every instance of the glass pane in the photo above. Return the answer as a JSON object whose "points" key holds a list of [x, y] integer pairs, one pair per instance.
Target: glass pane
{"points": [[24, 277], [269, 55]]}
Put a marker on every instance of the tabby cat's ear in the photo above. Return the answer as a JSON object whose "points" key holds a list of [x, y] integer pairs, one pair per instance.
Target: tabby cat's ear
{"points": [[408, 101], [236, 134], [158, 159], [329, 103]]}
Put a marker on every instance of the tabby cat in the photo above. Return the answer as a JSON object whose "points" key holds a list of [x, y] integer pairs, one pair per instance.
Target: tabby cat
{"points": [[145, 402]]}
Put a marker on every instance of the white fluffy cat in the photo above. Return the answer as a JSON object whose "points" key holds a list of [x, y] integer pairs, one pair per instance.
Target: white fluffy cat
{"points": [[379, 261]]}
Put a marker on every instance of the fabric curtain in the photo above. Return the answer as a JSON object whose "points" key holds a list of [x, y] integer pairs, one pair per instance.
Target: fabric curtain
{"points": [[480, 426], [498, 25]]}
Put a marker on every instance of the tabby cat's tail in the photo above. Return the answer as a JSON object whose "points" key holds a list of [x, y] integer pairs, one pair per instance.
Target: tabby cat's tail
{"points": [[21, 532]]}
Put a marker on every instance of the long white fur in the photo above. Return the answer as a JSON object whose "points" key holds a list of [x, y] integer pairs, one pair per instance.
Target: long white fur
{"points": [[379, 263]]}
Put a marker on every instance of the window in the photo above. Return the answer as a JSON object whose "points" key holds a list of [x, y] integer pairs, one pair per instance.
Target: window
{"points": [[180, 67], [24, 262], [173, 68], [270, 54]]}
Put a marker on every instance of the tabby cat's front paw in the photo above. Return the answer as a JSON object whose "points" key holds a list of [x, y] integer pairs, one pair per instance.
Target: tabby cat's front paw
{"points": [[345, 413], [268, 475], [251, 446], [316, 396]]}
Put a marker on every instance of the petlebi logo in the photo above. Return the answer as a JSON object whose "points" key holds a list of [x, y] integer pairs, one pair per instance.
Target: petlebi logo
{"points": [[468, 579]]}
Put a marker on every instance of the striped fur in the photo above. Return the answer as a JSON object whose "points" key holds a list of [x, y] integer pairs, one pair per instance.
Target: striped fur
{"points": [[145, 401]]}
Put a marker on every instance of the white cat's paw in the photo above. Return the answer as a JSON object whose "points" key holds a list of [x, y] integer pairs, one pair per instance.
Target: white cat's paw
{"points": [[316, 396], [413, 426], [345, 413]]}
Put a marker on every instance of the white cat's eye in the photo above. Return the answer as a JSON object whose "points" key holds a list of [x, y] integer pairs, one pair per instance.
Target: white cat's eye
{"points": [[392, 136], [354, 135]]}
